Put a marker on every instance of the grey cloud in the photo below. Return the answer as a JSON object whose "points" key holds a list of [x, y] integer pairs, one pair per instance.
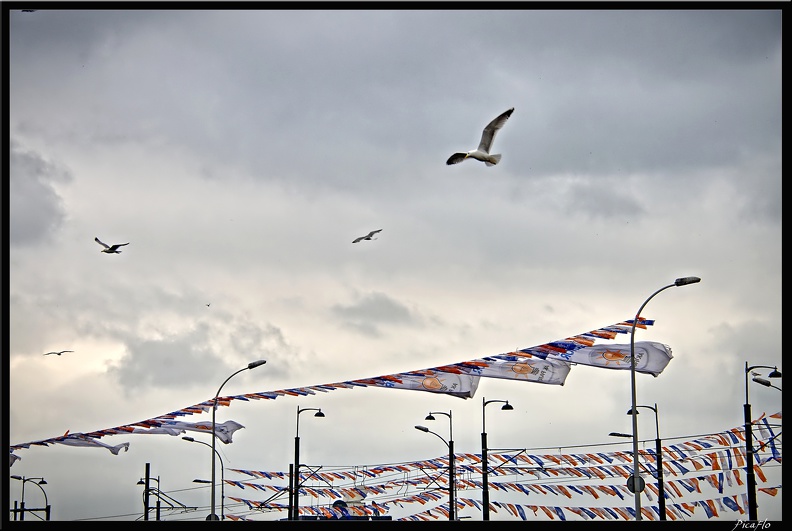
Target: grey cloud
{"points": [[35, 208], [372, 311]]}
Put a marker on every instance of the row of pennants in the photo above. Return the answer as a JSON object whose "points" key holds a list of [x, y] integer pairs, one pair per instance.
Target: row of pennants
{"points": [[720, 456], [548, 363]]}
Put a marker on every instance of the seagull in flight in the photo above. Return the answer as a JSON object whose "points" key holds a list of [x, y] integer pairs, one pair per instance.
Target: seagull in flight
{"points": [[368, 236], [58, 353], [482, 152], [110, 249]]}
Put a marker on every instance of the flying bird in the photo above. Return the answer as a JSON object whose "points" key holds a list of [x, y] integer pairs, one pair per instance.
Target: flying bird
{"points": [[368, 236], [482, 153], [111, 249], [58, 353]]}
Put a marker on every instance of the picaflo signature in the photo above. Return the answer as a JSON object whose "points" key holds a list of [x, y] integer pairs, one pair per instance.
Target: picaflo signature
{"points": [[759, 524]]}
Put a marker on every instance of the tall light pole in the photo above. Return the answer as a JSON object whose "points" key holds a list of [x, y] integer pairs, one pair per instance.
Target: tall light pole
{"points": [[451, 459], [659, 453], [222, 476], [635, 484], [147, 490], [484, 459], [295, 480], [251, 365], [39, 483], [749, 450]]}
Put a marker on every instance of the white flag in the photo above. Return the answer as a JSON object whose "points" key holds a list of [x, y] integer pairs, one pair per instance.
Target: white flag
{"points": [[650, 357], [79, 440]]}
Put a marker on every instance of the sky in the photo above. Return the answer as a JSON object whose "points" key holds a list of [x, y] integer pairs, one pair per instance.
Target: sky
{"points": [[239, 152]]}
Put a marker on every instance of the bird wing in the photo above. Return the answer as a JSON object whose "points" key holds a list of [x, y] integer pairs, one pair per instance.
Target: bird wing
{"points": [[358, 239], [100, 242], [489, 132], [456, 158], [117, 245], [372, 233]]}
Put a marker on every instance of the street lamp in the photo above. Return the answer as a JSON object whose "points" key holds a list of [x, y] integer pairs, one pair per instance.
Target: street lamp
{"points": [[39, 483], [635, 484], [659, 453], [251, 365], [295, 480], [222, 476], [147, 491], [484, 459], [749, 451], [451, 459], [766, 383]]}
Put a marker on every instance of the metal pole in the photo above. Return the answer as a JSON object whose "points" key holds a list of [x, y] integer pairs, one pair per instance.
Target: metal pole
{"points": [[451, 481], [22, 503], [659, 451], [296, 479], [290, 512], [484, 477], [146, 493], [251, 365], [749, 455], [636, 477]]}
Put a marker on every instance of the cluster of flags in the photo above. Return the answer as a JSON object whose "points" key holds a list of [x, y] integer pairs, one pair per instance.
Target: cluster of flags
{"points": [[548, 363], [716, 461]]}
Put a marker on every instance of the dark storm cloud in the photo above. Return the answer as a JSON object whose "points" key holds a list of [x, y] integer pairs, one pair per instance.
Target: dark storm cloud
{"points": [[35, 208], [247, 98]]}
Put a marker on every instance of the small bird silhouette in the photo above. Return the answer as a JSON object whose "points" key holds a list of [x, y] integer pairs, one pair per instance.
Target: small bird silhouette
{"points": [[110, 249], [368, 236], [58, 353], [482, 152]]}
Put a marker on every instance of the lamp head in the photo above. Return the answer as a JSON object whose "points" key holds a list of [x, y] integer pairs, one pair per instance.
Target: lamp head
{"points": [[684, 281], [141, 482], [16, 477], [254, 364], [319, 414], [42, 482], [507, 407], [422, 428], [631, 411], [617, 434], [429, 417], [188, 439], [775, 373]]}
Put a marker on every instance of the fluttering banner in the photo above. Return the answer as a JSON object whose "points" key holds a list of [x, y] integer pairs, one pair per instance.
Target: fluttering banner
{"points": [[650, 357], [548, 363]]}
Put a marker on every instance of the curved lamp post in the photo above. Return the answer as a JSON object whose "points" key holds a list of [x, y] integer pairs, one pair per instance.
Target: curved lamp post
{"points": [[659, 457], [222, 476], [636, 479], [451, 458], [39, 483], [749, 450], [484, 459], [295, 480], [251, 365]]}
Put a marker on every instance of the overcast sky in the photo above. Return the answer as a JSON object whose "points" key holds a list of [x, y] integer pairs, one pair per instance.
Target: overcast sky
{"points": [[239, 153]]}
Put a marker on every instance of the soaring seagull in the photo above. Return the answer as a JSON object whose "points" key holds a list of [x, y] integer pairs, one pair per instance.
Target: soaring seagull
{"points": [[112, 249], [482, 152], [368, 236], [58, 353]]}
